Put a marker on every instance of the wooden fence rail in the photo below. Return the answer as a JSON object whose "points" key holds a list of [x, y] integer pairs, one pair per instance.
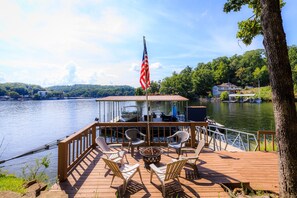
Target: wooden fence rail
{"points": [[265, 137], [72, 149]]}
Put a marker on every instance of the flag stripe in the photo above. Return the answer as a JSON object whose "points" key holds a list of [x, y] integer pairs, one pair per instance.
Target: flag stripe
{"points": [[145, 72]]}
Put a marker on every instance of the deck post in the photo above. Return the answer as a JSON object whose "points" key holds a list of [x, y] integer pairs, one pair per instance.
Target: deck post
{"points": [[94, 136], [193, 135], [62, 161], [258, 139]]}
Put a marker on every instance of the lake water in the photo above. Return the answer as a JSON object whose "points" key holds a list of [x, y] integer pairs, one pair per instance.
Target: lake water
{"points": [[26, 125]]}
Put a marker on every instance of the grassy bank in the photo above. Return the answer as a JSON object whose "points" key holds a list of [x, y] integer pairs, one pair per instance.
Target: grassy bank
{"points": [[12, 183]]}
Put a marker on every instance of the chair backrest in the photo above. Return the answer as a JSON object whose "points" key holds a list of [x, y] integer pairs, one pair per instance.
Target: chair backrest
{"points": [[183, 136], [132, 134], [199, 148], [102, 144], [113, 167], [173, 169]]}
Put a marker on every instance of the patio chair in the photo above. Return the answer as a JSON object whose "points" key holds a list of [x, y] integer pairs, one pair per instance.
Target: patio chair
{"points": [[116, 156], [165, 173], [132, 136], [177, 140], [126, 172], [191, 161]]}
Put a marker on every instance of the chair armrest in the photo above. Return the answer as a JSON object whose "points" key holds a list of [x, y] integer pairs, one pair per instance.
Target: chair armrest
{"points": [[128, 138], [116, 145], [188, 149], [130, 168], [110, 152], [142, 134], [156, 169], [188, 158], [171, 136]]}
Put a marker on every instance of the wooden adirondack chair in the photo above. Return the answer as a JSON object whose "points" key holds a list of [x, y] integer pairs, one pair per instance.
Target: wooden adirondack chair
{"points": [[192, 160], [116, 156], [126, 172], [168, 172]]}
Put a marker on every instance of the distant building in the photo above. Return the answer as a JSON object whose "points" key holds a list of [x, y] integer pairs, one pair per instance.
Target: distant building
{"points": [[42, 94], [229, 87]]}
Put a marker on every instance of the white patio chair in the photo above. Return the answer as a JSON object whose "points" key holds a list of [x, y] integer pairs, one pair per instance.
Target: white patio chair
{"points": [[178, 140]]}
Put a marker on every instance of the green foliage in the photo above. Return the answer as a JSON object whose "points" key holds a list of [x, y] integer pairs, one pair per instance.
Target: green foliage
{"points": [[36, 172], [94, 91], [251, 27], [264, 93], [241, 70], [14, 94], [224, 96], [154, 88], [3, 91], [269, 146], [139, 91], [20, 88], [202, 80], [11, 183]]}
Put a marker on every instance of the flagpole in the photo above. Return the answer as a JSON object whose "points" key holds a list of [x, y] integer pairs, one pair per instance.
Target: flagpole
{"points": [[147, 104]]}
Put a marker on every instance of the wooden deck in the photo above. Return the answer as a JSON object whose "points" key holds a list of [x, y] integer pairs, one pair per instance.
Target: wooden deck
{"points": [[260, 169]]}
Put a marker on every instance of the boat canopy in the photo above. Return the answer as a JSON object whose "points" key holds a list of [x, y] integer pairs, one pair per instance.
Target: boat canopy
{"points": [[173, 98], [110, 108]]}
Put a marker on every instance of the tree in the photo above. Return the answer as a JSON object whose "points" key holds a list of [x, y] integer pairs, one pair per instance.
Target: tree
{"points": [[3, 92], [154, 87], [139, 91], [14, 95], [202, 80], [268, 22]]}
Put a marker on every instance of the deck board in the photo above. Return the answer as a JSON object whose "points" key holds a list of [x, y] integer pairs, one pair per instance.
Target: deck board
{"points": [[91, 179]]}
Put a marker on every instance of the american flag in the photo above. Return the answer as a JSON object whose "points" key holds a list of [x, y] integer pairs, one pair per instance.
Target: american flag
{"points": [[145, 71]]}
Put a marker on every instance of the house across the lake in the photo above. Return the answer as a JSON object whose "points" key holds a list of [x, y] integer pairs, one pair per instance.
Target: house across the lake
{"points": [[229, 87]]}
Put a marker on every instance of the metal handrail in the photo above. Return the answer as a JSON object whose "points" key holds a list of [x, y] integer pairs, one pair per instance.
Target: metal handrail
{"points": [[216, 137], [236, 140]]}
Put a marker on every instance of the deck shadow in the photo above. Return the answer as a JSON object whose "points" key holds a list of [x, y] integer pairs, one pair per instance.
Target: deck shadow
{"points": [[82, 174]]}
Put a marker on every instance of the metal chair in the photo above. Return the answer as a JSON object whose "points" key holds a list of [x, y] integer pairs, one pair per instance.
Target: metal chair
{"points": [[165, 173], [116, 156], [191, 161], [178, 140], [135, 138], [126, 172]]}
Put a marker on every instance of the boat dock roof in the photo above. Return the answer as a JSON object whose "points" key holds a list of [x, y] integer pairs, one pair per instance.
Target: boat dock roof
{"points": [[143, 98]]}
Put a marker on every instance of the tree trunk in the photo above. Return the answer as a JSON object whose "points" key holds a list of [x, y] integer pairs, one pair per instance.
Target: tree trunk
{"points": [[280, 75]]}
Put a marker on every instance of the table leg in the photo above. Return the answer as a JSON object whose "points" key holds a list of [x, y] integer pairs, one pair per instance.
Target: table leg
{"points": [[132, 151]]}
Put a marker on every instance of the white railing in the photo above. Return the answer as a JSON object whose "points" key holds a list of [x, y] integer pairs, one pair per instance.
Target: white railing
{"points": [[221, 138]]}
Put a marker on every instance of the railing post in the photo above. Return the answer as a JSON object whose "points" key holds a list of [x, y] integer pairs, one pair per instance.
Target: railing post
{"points": [[193, 137], [258, 139], [94, 136], [62, 161]]}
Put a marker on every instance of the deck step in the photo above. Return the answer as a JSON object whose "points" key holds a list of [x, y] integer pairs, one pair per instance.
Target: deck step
{"points": [[53, 193]]}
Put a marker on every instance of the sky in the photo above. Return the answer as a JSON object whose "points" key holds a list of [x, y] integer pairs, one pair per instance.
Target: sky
{"points": [[66, 42]]}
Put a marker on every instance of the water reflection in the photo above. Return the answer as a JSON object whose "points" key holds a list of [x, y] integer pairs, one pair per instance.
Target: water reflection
{"points": [[248, 117]]}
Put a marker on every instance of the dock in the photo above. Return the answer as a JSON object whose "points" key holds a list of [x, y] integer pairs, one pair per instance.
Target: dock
{"points": [[259, 170]]}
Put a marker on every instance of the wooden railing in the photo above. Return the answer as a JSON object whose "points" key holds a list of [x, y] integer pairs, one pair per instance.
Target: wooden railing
{"points": [[72, 149], [264, 137]]}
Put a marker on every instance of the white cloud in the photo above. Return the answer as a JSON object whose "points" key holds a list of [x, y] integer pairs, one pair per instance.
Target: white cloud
{"points": [[2, 79], [156, 65], [135, 67], [71, 77]]}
